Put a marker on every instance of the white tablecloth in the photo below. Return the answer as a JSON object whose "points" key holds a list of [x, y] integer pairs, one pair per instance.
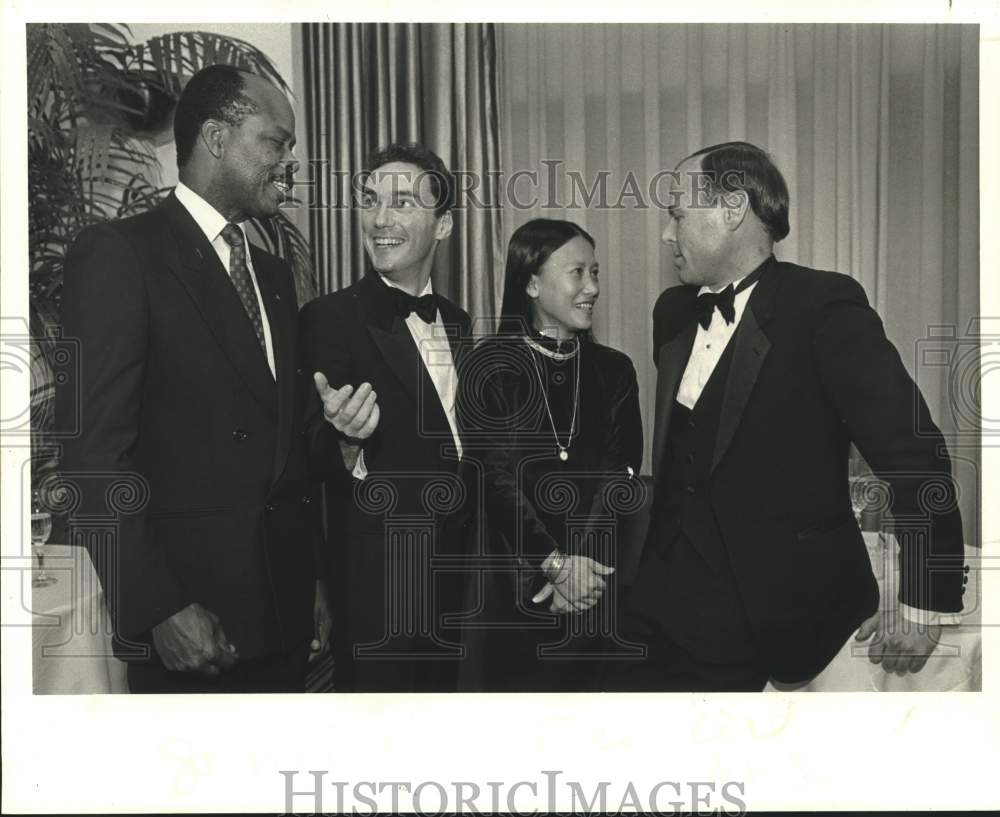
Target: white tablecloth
{"points": [[71, 630], [955, 666]]}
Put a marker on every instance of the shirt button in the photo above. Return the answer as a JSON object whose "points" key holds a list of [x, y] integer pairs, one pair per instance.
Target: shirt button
{"points": [[690, 423], [240, 435], [269, 508], [690, 457], [690, 489]]}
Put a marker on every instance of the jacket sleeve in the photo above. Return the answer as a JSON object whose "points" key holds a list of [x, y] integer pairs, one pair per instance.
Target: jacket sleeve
{"points": [[890, 424], [322, 348], [487, 418], [105, 310], [620, 492], [623, 444]]}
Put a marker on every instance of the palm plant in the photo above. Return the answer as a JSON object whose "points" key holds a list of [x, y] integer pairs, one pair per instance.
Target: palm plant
{"points": [[97, 102]]}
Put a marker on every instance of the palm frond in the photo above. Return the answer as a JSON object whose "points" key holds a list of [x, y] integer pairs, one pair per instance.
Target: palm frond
{"points": [[176, 57]]}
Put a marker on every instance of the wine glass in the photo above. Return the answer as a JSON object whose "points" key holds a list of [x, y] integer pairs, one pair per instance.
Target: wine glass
{"points": [[858, 476], [861, 482], [41, 529]]}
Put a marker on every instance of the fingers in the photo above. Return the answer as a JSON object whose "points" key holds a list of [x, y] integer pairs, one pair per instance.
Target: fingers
{"points": [[353, 413], [334, 400], [358, 411], [544, 593], [602, 570], [561, 604], [904, 647], [219, 653], [908, 653], [868, 627], [322, 384], [577, 606], [876, 648], [369, 427], [226, 653]]}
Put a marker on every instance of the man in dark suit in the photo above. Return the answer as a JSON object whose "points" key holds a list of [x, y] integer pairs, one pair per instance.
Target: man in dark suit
{"points": [[754, 566], [383, 434], [187, 388]]}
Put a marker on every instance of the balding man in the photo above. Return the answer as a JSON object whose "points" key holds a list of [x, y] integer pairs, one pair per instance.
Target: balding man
{"points": [[187, 336]]}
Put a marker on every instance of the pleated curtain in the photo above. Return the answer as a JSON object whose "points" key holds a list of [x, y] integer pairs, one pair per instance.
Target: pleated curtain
{"points": [[368, 84]]}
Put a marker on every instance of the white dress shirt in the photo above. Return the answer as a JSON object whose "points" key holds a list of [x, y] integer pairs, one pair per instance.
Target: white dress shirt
{"points": [[435, 351], [709, 344], [211, 222]]}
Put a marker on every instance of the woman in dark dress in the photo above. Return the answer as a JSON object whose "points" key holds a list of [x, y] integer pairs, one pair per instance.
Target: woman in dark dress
{"points": [[556, 417]]}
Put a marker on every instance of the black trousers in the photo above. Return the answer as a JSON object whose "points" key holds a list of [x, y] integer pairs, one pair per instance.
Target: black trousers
{"points": [[669, 667], [280, 673]]}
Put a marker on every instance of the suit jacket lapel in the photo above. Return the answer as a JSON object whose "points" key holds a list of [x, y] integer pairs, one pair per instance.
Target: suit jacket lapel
{"points": [[199, 270], [455, 324], [390, 333], [283, 346], [750, 349], [673, 357]]}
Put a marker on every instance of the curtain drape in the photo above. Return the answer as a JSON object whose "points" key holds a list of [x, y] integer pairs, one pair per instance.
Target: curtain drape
{"points": [[368, 84], [874, 126]]}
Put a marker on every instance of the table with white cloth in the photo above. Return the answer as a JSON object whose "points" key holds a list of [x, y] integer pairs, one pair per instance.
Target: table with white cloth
{"points": [[954, 666], [71, 630]]}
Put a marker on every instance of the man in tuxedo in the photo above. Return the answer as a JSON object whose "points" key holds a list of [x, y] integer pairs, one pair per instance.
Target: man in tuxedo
{"points": [[383, 434], [753, 566], [187, 340]]}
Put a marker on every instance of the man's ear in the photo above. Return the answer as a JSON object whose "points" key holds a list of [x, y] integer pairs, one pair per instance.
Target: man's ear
{"points": [[736, 205], [213, 135], [531, 288], [444, 226]]}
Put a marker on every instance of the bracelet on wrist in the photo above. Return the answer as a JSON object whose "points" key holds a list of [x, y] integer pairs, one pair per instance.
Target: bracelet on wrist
{"points": [[555, 566]]}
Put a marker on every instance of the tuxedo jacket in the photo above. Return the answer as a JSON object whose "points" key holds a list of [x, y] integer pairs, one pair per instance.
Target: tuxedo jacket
{"points": [[414, 478], [355, 336], [811, 372], [177, 399]]}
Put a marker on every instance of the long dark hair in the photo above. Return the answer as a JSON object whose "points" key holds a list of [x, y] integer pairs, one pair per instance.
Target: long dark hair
{"points": [[530, 247]]}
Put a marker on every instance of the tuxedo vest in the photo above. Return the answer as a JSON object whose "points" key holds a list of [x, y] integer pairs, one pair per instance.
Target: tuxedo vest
{"points": [[699, 608]]}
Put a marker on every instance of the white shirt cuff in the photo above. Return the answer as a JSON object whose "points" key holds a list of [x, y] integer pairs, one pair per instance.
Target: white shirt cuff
{"points": [[360, 469], [928, 618]]}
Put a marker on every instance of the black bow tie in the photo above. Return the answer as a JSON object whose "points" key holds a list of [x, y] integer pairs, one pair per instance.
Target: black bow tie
{"points": [[724, 300], [708, 302], [426, 306]]}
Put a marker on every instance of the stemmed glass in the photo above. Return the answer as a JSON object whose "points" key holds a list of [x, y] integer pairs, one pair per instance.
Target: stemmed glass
{"points": [[858, 476], [41, 529], [859, 479]]}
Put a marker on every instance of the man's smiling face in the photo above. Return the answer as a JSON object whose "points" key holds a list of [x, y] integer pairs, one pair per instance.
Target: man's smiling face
{"points": [[399, 223]]}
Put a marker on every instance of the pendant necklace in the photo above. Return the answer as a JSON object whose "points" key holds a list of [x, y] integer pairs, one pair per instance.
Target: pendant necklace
{"points": [[563, 450]]}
